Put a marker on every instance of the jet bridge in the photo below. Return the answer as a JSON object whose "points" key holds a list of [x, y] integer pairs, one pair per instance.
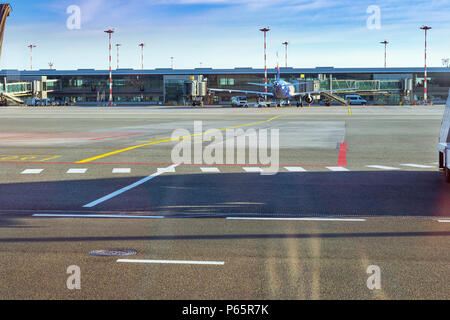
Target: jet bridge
{"points": [[16, 91]]}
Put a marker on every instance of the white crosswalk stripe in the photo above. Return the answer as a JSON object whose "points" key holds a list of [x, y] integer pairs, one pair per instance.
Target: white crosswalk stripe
{"points": [[338, 169], [417, 166], [121, 170], [383, 168], [76, 171], [32, 171], [210, 170], [295, 169], [252, 169]]}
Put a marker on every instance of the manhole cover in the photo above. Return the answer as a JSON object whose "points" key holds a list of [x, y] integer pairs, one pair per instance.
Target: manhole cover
{"points": [[112, 253]]}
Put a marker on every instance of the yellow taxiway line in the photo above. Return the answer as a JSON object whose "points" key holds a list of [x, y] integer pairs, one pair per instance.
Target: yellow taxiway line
{"points": [[168, 140]]}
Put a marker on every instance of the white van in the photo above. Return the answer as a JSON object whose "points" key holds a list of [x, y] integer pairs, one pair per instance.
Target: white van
{"points": [[354, 99]]}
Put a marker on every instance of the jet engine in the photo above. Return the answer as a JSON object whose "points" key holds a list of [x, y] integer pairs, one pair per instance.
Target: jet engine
{"points": [[308, 99]]}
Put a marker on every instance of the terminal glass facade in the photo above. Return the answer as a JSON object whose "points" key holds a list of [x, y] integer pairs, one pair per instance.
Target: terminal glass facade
{"points": [[378, 86]]}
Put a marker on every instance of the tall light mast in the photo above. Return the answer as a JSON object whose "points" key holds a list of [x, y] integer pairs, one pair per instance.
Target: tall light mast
{"points": [[110, 32], [385, 52], [142, 45], [31, 46], [425, 88], [286, 52], [118, 46], [265, 30]]}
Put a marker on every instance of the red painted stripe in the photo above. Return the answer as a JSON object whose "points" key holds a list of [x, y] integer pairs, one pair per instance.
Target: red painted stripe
{"points": [[342, 162], [118, 136]]}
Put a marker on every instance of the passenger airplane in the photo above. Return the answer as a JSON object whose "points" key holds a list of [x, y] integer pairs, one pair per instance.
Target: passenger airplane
{"points": [[283, 91]]}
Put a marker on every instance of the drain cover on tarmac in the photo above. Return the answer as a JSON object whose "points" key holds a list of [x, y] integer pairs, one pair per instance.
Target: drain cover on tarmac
{"points": [[112, 253]]}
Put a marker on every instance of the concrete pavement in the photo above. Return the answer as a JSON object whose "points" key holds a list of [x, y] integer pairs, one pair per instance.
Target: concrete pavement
{"points": [[377, 165]]}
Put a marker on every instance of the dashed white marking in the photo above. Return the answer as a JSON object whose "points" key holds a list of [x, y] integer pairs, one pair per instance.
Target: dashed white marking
{"points": [[295, 169], [412, 165], [383, 167], [76, 171], [210, 170], [132, 186], [97, 216], [171, 169], [218, 263], [300, 219], [253, 170], [121, 170], [338, 169], [444, 221], [32, 171]]}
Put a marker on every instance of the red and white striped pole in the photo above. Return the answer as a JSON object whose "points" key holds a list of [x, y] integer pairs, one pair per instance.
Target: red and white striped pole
{"points": [[31, 46], [425, 88], [142, 45], [265, 30], [110, 32], [286, 53], [118, 46], [385, 52]]}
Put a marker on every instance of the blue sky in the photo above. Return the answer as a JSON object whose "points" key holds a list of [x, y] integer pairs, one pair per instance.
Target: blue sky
{"points": [[224, 33]]}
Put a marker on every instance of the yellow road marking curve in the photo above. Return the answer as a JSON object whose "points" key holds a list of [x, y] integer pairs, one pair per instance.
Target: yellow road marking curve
{"points": [[168, 140]]}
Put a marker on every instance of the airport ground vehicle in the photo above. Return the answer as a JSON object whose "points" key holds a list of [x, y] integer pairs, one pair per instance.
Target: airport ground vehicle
{"points": [[354, 99], [3, 102], [59, 102], [240, 101], [33, 102], [444, 142]]}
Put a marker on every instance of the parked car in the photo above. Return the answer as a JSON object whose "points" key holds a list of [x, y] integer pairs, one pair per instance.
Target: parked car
{"points": [[240, 101], [59, 102]]}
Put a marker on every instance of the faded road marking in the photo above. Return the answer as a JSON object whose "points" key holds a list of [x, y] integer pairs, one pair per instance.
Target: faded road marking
{"points": [[169, 140]]}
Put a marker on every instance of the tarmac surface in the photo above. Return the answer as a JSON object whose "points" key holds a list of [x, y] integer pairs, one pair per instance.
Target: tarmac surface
{"points": [[353, 193]]}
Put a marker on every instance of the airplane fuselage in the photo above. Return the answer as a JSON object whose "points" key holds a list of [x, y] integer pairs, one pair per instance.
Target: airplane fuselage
{"points": [[283, 90]]}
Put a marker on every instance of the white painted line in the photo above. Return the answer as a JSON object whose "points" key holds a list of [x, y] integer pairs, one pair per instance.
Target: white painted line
{"points": [[300, 219], [210, 170], [417, 166], [218, 263], [121, 170], [76, 171], [444, 221], [32, 171], [338, 169], [295, 169], [253, 169], [97, 216], [132, 186], [383, 167]]}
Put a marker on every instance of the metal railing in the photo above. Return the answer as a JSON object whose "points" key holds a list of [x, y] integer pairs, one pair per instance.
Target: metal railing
{"points": [[363, 85]]}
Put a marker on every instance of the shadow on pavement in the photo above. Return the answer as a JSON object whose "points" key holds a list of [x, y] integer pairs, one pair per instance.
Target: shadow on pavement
{"points": [[232, 237], [404, 193]]}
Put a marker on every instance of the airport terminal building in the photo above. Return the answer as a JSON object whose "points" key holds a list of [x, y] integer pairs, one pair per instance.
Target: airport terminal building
{"points": [[377, 85]]}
